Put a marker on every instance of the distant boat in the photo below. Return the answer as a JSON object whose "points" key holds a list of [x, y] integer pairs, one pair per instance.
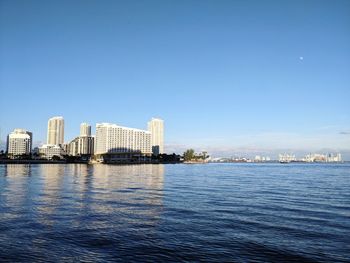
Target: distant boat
{"points": [[285, 161], [286, 158]]}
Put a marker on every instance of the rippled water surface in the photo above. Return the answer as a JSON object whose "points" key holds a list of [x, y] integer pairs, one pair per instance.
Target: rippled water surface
{"points": [[157, 213]]}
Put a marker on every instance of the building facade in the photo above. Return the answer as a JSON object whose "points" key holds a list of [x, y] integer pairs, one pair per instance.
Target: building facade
{"points": [[48, 151], [85, 129], [55, 131], [156, 128], [19, 142], [82, 145], [121, 143]]}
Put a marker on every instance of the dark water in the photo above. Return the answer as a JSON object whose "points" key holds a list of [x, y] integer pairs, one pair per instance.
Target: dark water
{"points": [[214, 212]]}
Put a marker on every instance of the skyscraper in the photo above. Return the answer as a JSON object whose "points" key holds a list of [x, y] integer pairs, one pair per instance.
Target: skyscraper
{"points": [[85, 129], [156, 128], [55, 131]]}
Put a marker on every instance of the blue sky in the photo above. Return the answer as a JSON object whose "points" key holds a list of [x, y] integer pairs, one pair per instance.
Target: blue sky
{"points": [[226, 76]]}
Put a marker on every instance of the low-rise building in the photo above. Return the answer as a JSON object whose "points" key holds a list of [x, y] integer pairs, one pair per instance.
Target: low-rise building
{"points": [[48, 151], [317, 157]]}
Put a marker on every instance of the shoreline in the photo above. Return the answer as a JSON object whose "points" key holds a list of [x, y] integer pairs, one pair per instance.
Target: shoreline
{"points": [[10, 161]]}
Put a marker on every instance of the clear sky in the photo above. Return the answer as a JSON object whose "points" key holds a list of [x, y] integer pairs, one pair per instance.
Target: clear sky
{"points": [[227, 76]]}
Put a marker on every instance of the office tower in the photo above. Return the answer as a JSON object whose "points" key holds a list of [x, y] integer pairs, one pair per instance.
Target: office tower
{"points": [[156, 128], [115, 139], [19, 142], [55, 131], [85, 129]]}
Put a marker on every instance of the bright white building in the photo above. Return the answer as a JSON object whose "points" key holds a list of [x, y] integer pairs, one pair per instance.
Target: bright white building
{"points": [[121, 141], [47, 151], [85, 129], [286, 158], [55, 131], [19, 142], [156, 128]]}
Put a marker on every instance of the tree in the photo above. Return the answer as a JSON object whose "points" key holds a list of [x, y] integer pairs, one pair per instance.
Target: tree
{"points": [[189, 155], [205, 155], [56, 158]]}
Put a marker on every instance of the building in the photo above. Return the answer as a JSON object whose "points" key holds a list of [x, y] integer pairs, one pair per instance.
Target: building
{"points": [[286, 158], [19, 142], [116, 143], [48, 151], [81, 145], [85, 129], [55, 131], [317, 157], [156, 128]]}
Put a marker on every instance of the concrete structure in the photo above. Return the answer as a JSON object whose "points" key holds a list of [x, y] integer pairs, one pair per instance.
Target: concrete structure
{"points": [[85, 129], [82, 145], [19, 142], [156, 128], [55, 131], [286, 158], [316, 157], [118, 143], [47, 151]]}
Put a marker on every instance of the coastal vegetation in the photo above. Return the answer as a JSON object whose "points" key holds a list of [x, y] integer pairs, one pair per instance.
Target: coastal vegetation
{"points": [[191, 156]]}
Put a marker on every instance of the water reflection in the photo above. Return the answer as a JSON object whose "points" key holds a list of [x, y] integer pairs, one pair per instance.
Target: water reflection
{"points": [[77, 190], [49, 203], [17, 170], [15, 190], [135, 191]]}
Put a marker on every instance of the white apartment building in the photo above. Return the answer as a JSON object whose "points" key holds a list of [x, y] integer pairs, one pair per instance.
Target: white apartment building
{"points": [[85, 129], [47, 151], [82, 145], [113, 139], [55, 131], [19, 142], [156, 128]]}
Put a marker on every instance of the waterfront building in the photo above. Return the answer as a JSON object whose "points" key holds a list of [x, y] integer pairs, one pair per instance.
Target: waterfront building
{"points": [[85, 129], [55, 131], [81, 145], [48, 151], [156, 128], [286, 158], [118, 143], [19, 142], [333, 158], [316, 157]]}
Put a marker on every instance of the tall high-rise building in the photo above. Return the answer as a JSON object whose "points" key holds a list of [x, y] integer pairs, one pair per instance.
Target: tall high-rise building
{"points": [[85, 129], [19, 142], [156, 128], [55, 131]]}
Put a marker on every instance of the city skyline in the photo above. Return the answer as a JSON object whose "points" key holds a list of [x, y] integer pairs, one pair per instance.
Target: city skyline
{"points": [[227, 77], [82, 142]]}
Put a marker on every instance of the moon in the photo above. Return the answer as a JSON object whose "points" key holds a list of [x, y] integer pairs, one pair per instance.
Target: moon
{"points": [[301, 58]]}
